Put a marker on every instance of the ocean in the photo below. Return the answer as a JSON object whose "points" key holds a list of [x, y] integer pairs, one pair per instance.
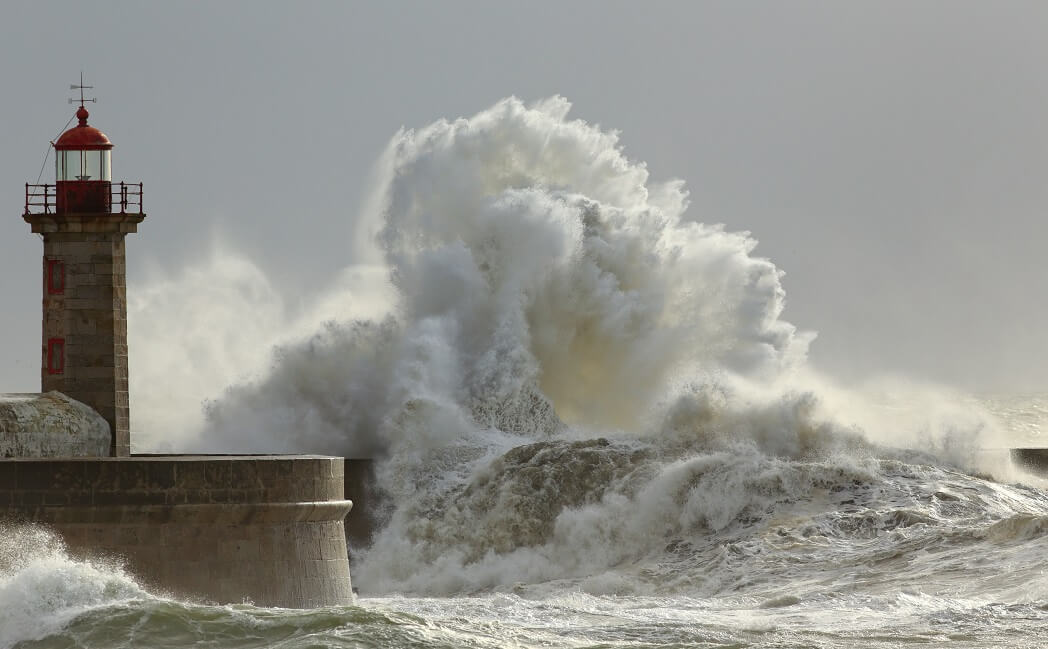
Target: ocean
{"points": [[712, 550], [593, 429]]}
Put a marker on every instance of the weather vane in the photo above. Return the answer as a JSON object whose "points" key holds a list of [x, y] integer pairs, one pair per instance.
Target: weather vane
{"points": [[82, 88]]}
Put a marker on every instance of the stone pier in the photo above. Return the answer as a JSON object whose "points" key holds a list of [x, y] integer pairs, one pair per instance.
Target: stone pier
{"points": [[226, 529]]}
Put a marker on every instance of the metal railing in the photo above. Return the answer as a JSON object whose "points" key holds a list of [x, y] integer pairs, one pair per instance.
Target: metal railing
{"points": [[39, 196], [43, 199], [130, 196]]}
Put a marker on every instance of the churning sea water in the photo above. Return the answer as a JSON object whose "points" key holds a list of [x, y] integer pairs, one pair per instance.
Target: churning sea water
{"points": [[595, 430], [713, 550]]}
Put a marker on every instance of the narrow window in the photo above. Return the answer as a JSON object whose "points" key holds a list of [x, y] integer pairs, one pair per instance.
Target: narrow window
{"points": [[55, 355], [55, 277]]}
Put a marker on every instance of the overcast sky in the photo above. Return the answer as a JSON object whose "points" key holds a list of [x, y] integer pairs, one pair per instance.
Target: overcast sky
{"points": [[890, 157]]}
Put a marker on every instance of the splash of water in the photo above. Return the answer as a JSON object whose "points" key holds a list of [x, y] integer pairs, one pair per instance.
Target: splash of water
{"points": [[569, 372], [541, 278], [42, 588], [193, 336]]}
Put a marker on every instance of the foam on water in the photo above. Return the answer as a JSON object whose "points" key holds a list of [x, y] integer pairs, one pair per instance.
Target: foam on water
{"points": [[42, 589]]}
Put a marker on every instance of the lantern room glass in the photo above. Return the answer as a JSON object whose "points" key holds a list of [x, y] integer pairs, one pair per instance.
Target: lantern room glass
{"points": [[83, 165]]}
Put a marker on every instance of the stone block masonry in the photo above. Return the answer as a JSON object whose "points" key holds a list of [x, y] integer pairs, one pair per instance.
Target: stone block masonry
{"points": [[84, 341], [225, 529]]}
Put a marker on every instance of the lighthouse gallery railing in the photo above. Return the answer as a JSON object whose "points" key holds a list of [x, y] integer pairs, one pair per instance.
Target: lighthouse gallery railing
{"points": [[41, 199]]}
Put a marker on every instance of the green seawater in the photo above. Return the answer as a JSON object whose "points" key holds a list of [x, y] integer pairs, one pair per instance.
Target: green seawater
{"points": [[901, 551], [506, 621]]}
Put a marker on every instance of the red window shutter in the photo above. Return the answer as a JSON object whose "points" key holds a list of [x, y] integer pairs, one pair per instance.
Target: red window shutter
{"points": [[55, 277], [55, 355]]}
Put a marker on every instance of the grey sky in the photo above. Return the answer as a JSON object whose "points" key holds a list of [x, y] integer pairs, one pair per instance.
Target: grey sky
{"points": [[889, 156]]}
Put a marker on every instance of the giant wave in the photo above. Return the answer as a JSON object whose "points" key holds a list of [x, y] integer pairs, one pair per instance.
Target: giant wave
{"points": [[574, 383]]}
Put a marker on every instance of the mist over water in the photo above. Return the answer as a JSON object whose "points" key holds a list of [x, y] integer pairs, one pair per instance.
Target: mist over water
{"points": [[581, 394]]}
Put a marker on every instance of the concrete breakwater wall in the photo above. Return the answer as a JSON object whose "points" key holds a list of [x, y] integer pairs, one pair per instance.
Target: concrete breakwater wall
{"points": [[267, 529], [1034, 460], [366, 516]]}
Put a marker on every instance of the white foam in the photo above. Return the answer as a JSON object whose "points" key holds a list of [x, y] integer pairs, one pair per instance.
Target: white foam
{"points": [[544, 287], [42, 589]]}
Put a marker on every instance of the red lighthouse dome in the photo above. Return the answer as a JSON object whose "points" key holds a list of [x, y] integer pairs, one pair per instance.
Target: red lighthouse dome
{"points": [[83, 136], [83, 169]]}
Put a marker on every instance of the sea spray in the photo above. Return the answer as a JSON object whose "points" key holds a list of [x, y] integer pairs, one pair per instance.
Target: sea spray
{"points": [[574, 382], [42, 588], [539, 273], [194, 336]]}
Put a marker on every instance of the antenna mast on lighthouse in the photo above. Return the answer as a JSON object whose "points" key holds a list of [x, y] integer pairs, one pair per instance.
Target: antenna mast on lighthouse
{"points": [[82, 88]]}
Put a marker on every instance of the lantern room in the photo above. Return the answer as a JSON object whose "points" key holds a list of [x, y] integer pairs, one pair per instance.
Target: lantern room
{"points": [[83, 171]]}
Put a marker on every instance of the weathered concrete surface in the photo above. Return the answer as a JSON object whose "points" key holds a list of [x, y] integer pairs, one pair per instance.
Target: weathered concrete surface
{"points": [[50, 425], [227, 529]]}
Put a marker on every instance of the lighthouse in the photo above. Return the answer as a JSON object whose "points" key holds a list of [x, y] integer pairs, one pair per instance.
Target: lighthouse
{"points": [[221, 528], [83, 218]]}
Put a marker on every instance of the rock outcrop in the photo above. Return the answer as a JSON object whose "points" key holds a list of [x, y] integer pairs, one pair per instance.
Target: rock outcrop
{"points": [[50, 425]]}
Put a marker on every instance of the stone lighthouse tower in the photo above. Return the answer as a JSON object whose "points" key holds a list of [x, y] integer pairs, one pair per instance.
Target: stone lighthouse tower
{"points": [[83, 218]]}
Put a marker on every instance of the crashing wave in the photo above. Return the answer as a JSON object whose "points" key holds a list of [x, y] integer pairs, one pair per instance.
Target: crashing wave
{"points": [[573, 376]]}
